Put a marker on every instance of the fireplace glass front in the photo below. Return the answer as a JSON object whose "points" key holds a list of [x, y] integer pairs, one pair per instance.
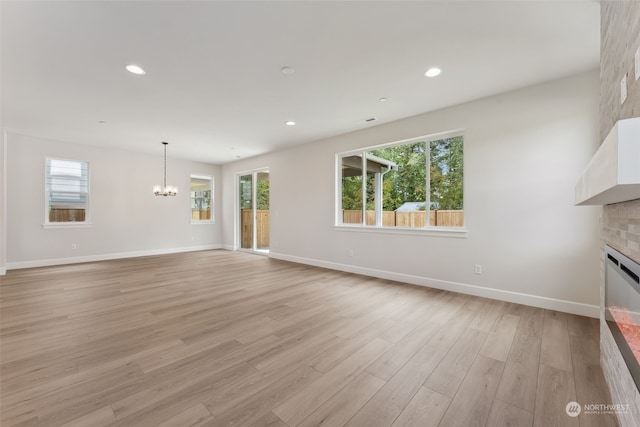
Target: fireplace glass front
{"points": [[622, 307]]}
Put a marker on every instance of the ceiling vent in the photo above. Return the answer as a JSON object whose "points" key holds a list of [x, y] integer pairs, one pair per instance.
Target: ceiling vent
{"points": [[366, 121]]}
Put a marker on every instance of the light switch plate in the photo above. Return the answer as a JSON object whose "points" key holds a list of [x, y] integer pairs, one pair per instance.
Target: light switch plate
{"points": [[637, 62], [623, 89]]}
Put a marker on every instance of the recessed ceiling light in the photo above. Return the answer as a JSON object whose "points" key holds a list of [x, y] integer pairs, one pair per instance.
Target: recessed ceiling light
{"points": [[102, 122], [432, 72], [382, 99], [290, 123], [132, 68], [287, 70]]}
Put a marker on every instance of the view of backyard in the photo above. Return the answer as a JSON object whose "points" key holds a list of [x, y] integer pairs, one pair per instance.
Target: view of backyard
{"points": [[402, 182]]}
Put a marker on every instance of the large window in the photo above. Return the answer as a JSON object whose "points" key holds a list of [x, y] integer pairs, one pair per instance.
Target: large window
{"points": [[201, 198], [67, 191], [412, 184]]}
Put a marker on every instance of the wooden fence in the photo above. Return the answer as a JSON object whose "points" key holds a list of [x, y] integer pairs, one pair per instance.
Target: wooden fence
{"points": [[66, 215], [201, 215], [412, 219], [262, 217]]}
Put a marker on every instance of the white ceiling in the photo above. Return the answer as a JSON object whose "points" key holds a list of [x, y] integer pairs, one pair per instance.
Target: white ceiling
{"points": [[214, 88]]}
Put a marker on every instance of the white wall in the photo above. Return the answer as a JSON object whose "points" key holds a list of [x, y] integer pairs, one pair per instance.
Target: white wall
{"points": [[127, 219], [524, 152]]}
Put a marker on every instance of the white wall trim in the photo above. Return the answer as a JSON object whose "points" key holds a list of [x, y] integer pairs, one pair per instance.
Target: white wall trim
{"points": [[105, 257], [3, 271], [228, 247], [578, 308]]}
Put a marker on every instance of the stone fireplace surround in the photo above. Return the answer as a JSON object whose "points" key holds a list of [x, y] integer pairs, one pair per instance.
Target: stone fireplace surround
{"points": [[619, 39], [621, 230]]}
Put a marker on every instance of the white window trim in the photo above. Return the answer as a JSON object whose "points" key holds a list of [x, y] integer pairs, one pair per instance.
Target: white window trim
{"points": [[213, 195], [455, 232], [69, 224]]}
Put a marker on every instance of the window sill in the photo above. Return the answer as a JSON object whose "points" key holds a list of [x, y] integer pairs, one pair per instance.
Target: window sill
{"points": [[460, 233], [68, 225], [202, 222]]}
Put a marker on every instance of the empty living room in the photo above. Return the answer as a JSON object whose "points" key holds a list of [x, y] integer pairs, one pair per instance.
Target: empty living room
{"points": [[320, 213]]}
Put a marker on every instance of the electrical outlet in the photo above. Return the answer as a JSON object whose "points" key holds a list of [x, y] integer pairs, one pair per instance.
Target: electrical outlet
{"points": [[623, 89], [477, 269], [74, 246], [350, 252]]}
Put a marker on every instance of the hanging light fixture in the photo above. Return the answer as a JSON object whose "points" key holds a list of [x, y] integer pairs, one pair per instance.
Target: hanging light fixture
{"points": [[164, 189]]}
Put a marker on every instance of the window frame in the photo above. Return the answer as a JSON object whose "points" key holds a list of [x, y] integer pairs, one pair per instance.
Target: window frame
{"points": [[87, 207], [378, 228], [211, 179]]}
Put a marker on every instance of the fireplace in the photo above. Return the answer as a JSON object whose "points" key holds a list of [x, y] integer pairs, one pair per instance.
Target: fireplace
{"points": [[622, 307]]}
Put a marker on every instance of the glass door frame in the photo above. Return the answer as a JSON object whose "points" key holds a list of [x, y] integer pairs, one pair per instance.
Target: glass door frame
{"points": [[238, 211]]}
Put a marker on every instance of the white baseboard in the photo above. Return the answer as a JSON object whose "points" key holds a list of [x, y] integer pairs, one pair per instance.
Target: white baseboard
{"points": [[228, 247], [105, 257], [497, 294]]}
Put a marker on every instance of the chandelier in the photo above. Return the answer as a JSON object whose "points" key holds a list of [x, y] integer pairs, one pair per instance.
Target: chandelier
{"points": [[164, 189]]}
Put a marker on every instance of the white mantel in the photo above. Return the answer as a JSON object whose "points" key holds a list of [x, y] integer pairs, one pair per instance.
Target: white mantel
{"points": [[613, 174]]}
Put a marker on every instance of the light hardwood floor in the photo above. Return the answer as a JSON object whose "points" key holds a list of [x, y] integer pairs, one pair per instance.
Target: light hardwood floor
{"points": [[219, 338]]}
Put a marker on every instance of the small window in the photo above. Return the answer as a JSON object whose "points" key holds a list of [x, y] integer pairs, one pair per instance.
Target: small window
{"points": [[201, 198], [67, 191], [413, 184]]}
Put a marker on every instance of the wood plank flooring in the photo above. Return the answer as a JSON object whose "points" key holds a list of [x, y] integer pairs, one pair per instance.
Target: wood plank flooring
{"points": [[218, 338]]}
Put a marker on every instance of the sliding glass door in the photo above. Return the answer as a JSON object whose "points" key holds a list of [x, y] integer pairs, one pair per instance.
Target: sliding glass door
{"points": [[253, 211]]}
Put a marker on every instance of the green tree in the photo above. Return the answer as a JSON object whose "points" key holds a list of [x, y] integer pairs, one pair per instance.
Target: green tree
{"points": [[262, 194], [446, 173], [409, 182], [352, 193]]}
